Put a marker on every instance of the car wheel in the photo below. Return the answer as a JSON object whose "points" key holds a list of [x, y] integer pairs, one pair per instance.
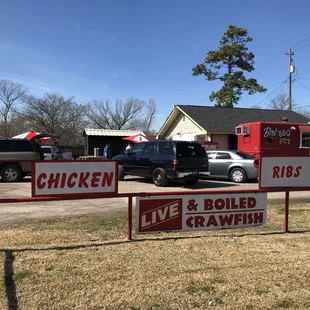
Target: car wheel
{"points": [[10, 173], [159, 177], [238, 175], [192, 181], [121, 174]]}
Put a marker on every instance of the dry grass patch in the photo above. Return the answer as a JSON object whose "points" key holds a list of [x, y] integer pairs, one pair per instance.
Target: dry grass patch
{"points": [[86, 263]]}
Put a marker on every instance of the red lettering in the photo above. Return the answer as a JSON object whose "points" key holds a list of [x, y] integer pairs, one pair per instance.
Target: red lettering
{"points": [[189, 222], [251, 202], [53, 180], [83, 179], [289, 171], [226, 219], [258, 217], [71, 176], [219, 204], [41, 184], [212, 221], [238, 218], [244, 218], [297, 173], [63, 180], [242, 203], [276, 170], [208, 204], [250, 218], [233, 203], [286, 172], [199, 220], [107, 179], [95, 179]]}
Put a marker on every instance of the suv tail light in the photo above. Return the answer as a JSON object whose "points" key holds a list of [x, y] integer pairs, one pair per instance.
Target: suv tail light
{"points": [[175, 164], [256, 163]]}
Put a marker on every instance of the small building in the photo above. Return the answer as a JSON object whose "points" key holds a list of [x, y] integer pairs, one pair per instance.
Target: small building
{"points": [[213, 124], [98, 138]]}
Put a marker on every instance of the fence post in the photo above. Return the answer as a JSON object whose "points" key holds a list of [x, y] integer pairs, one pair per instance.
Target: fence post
{"points": [[130, 218], [286, 209]]}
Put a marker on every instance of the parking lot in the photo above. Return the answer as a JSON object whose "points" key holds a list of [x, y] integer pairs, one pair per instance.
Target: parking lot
{"points": [[16, 212]]}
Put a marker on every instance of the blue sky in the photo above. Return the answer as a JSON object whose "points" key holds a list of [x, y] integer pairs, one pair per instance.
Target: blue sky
{"points": [[146, 49]]}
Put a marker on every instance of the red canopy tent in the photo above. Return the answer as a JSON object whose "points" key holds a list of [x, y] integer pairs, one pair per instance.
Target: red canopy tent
{"points": [[137, 138], [31, 134]]}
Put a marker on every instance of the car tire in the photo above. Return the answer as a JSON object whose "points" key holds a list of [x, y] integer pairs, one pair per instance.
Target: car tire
{"points": [[11, 173], [192, 181], [121, 174], [159, 177], [238, 175]]}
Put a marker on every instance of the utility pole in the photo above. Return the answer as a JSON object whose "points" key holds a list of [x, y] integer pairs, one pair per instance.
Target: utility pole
{"points": [[291, 70]]}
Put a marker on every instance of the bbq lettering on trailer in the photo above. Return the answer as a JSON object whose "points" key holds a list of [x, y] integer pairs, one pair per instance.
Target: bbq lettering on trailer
{"points": [[160, 215], [81, 180]]}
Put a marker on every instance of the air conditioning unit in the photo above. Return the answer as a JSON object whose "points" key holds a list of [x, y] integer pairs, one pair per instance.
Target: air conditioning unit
{"points": [[242, 130]]}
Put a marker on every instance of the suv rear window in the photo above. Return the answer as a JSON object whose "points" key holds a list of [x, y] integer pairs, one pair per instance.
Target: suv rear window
{"points": [[189, 149], [15, 146], [166, 148]]}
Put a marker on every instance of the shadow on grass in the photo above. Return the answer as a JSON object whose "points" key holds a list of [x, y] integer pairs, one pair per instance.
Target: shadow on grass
{"points": [[9, 283], [112, 243]]}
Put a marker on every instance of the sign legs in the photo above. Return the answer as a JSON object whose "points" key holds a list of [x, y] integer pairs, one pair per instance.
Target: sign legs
{"points": [[286, 209], [129, 218]]}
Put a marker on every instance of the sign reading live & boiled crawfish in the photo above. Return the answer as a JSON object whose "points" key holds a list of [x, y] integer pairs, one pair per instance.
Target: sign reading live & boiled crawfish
{"points": [[200, 212]]}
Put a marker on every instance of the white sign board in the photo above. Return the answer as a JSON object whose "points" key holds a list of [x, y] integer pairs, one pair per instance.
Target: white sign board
{"points": [[75, 178], [200, 212], [284, 172]]}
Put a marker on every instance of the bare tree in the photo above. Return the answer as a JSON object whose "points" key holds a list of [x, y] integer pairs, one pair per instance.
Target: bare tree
{"points": [[280, 102], [58, 115], [129, 114], [11, 93], [147, 121]]}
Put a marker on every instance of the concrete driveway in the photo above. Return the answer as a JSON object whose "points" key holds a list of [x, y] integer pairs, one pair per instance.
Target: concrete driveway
{"points": [[17, 212]]}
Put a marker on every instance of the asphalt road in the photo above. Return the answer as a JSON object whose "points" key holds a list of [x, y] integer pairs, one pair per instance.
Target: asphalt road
{"points": [[20, 212]]}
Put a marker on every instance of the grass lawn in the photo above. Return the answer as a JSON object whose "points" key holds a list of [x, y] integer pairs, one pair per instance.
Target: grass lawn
{"points": [[86, 263]]}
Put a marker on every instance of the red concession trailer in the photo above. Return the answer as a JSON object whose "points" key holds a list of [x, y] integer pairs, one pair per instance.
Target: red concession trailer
{"points": [[274, 138]]}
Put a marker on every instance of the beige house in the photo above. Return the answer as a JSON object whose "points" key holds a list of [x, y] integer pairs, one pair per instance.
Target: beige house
{"points": [[212, 124]]}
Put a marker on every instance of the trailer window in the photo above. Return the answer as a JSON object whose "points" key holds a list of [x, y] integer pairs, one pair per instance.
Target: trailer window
{"points": [[305, 139]]}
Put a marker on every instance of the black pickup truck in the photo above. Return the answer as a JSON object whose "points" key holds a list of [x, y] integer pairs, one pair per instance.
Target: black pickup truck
{"points": [[163, 161]]}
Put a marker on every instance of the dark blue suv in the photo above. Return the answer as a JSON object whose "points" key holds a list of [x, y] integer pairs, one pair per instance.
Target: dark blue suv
{"points": [[163, 161]]}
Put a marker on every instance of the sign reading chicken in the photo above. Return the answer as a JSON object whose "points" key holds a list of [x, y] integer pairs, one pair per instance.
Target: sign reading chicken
{"points": [[75, 178]]}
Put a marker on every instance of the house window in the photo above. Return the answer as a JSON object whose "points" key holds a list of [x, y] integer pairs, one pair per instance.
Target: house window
{"points": [[305, 139], [183, 118]]}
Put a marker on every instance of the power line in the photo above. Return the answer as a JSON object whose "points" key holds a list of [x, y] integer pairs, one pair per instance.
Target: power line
{"points": [[272, 64], [279, 87], [300, 42], [302, 85], [277, 94], [281, 55], [302, 47]]}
